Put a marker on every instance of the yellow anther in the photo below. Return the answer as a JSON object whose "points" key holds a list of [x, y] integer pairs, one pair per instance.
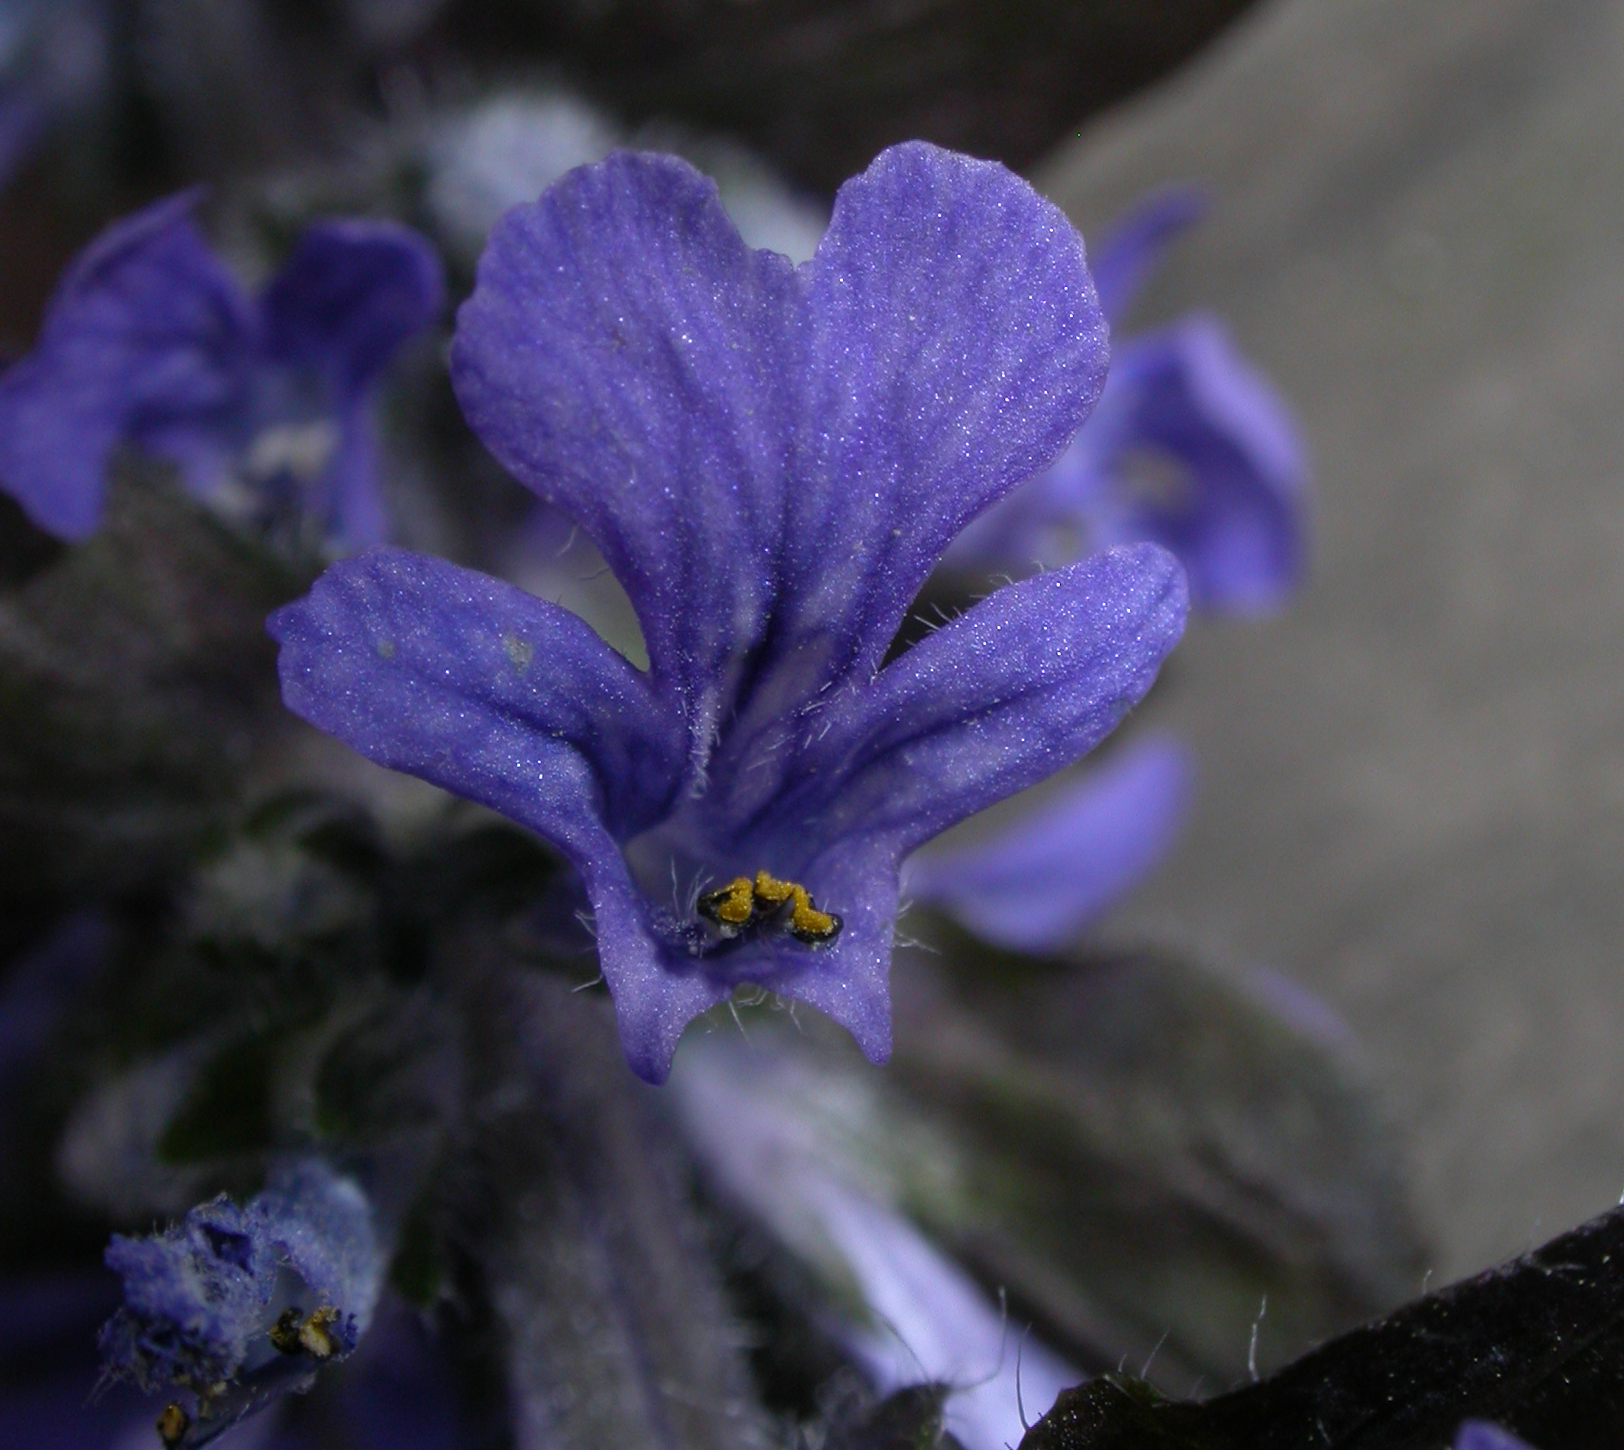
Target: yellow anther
{"points": [[295, 1331], [730, 905], [743, 902], [770, 891], [315, 1334], [806, 922], [173, 1424]]}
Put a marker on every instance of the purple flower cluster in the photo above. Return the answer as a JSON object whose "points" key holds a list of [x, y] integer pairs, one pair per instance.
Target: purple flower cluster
{"points": [[261, 402], [201, 1295]]}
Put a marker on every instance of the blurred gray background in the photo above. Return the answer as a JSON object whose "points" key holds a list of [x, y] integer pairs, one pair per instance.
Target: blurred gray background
{"points": [[1412, 794]]}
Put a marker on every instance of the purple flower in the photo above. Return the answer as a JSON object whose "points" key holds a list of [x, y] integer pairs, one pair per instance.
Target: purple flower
{"points": [[261, 402], [1033, 885], [1190, 447], [771, 459]]}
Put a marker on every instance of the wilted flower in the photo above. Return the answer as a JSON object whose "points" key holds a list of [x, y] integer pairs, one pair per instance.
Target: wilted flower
{"points": [[261, 402], [771, 459], [235, 1305], [1190, 446]]}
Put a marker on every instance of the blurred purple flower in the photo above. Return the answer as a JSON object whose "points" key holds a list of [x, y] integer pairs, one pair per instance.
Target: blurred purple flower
{"points": [[1190, 447], [1033, 885], [790, 1149], [771, 460], [1480, 1435], [22, 123], [262, 402]]}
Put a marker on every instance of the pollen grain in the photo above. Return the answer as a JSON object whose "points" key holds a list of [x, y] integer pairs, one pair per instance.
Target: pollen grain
{"points": [[806, 922], [729, 906]]}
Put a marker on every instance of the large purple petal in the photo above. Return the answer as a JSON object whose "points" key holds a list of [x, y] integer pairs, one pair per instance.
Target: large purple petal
{"points": [[349, 295], [1235, 516], [480, 688], [1138, 240], [146, 332], [957, 345], [1023, 683], [627, 356], [1033, 885]]}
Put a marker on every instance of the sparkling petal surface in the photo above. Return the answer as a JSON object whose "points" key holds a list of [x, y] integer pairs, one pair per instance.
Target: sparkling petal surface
{"points": [[146, 327], [1018, 687], [1023, 683], [629, 358], [473, 684], [770, 460], [957, 346], [476, 686], [1033, 885]]}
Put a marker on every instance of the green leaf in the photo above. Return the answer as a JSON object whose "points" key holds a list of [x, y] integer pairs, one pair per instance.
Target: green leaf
{"points": [[227, 1112], [617, 1332], [1536, 1345], [136, 682], [1153, 1146]]}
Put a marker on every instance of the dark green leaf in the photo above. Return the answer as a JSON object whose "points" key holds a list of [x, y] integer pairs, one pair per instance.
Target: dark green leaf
{"points": [[136, 681], [617, 1330], [227, 1113], [1536, 1345], [1152, 1146]]}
